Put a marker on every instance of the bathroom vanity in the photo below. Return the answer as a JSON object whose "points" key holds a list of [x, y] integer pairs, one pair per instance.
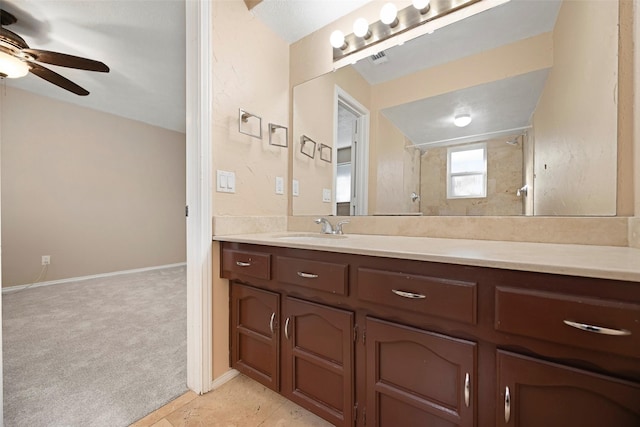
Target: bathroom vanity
{"points": [[389, 331]]}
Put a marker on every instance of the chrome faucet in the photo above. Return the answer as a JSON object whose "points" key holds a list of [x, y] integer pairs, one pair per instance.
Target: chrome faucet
{"points": [[328, 229]]}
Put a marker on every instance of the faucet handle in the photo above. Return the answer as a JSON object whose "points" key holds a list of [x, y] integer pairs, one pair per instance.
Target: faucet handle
{"points": [[338, 227]]}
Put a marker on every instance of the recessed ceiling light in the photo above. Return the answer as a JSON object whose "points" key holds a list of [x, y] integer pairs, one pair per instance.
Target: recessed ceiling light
{"points": [[462, 120]]}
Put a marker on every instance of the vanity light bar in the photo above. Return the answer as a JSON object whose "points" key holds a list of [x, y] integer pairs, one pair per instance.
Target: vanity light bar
{"points": [[407, 19]]}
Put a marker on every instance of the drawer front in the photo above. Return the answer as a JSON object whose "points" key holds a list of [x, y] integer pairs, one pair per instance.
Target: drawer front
{"points": [[253, 264], [450, 299], [321, 276], [592, 323]]}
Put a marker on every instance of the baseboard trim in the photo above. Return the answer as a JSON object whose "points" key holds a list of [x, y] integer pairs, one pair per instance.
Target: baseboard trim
{"points": [[93, 276], [224, 378]]}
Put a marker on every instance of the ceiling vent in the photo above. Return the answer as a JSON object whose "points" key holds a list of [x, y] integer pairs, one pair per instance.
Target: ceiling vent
{"points": [[378, 58]]}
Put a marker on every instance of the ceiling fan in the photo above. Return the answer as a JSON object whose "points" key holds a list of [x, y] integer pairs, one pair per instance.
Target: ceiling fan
{"points": [[17, 59]]}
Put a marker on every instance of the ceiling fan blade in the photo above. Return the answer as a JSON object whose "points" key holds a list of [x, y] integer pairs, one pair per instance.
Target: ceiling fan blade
{"points": [[57, 79], [6, 18], [64, 60]]}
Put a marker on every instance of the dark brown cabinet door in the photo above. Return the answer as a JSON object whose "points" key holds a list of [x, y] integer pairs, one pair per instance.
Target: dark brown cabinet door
{"points": [[418, 378], [534, 393], [254, 333], [317, 359]]}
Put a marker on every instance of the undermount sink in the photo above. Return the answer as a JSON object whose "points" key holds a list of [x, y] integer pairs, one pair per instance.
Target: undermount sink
{"points": [[310, 236]]}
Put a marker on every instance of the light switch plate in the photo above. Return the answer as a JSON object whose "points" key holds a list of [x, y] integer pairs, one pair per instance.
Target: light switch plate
{"points": [[279, 185], [225, 181], [326, 195], [296, 188]]}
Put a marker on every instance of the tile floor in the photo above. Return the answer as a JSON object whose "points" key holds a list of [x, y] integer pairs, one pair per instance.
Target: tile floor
{"points": [[240, 402]]}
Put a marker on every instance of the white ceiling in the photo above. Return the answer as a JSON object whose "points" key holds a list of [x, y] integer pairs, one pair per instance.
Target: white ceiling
{"points": [[503, 107], [294, 19], [142, 41]]}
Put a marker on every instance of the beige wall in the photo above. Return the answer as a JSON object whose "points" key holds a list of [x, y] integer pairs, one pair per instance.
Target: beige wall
{"points": [[393, 183], [634, 223], [250, 71], [576, 120], [527, 163], [504, 177], [96, 192], [314, 114], [636, 109]]}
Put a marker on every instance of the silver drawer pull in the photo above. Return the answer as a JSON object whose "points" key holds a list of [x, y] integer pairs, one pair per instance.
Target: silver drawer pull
{"points": [[507, 405], [466, 389], [406, 294], [307, 275], [243, 264], [597, 329], [273, 317], [286, 328]]}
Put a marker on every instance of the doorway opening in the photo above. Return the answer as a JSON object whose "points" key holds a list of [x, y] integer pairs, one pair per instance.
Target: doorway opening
{"points": [[351, 152]]}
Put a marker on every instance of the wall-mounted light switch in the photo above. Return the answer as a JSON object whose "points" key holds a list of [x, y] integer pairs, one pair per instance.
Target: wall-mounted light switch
{"points": [[296, 188], [326, 195], [279, 185], [226, 182]]}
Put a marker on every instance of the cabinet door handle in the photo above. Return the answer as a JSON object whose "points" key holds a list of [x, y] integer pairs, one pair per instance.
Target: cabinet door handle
{"points": [[286, 328], [597, 329], [307, 275], [406, 294], [243, 264], [273, 317], [466, 389], [507, 405]]}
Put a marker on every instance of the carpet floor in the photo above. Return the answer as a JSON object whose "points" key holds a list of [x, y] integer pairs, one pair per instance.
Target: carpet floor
{"points": [[97, 352]]}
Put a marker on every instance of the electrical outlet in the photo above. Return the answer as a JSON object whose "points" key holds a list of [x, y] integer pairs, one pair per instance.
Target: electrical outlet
{"points": [[296, 188], [326, 195], [46, 259], [279, 185]]}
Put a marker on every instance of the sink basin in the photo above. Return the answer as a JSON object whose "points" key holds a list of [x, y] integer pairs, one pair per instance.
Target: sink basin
{"points": [[310, 237]]}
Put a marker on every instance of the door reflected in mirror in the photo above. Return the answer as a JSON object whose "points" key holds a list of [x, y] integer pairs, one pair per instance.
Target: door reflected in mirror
{"points": [[536, 79]]}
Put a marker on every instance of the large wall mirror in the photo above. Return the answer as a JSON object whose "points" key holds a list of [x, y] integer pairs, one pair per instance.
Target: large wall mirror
{"points": [[538, 82]]}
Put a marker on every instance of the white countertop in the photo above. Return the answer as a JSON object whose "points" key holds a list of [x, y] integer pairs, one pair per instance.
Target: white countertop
{"points": [[606, 262]]}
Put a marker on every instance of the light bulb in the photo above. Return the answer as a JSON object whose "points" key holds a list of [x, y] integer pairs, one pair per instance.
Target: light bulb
{"points": [[462, 120], [388, 14], [361, 27], [421, 5], [12, 67], [337, 39]]}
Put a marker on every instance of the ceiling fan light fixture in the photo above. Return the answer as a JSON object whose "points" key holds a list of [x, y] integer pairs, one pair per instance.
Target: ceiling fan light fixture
{"points": [[462, 120], [11, 67]]}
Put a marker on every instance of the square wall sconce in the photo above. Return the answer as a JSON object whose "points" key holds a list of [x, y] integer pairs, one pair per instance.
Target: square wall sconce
{"points": [[325, 152], [307, 146], [278, 135], [247, 124]]}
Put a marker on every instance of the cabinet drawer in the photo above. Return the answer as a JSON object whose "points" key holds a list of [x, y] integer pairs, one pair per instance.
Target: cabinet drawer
{"points": [[321, 276], [598, 324], [253, 264], [450, 299]]}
